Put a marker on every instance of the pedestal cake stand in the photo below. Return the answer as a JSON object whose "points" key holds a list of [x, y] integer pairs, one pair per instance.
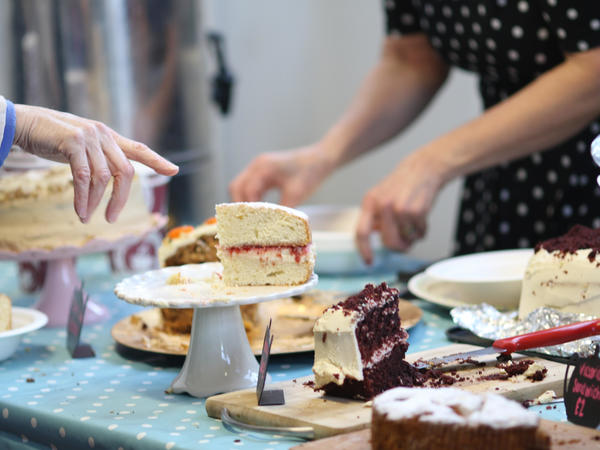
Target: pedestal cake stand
{"points": [[61, 277], [219, 357]]}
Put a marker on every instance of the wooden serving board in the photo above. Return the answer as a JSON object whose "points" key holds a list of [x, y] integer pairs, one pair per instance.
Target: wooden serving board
{"points": [[562, 436], [331, 415]]}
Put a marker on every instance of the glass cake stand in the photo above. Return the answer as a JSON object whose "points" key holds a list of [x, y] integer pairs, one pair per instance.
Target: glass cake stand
{"points": [[61, 277], [219, 358]]}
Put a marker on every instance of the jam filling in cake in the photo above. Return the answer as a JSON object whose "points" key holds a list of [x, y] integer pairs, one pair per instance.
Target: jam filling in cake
{"points": [[263, 244], [360, 346]]}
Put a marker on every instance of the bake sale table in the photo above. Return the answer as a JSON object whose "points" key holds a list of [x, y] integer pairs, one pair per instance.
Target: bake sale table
{"points": [[118, 400]]}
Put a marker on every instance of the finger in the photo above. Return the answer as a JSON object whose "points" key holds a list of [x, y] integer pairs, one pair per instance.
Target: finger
{"points": [[390, 231], [122, 172], [142, 153], [363, 232], [292, 194], [100, 172], [81, 181]]}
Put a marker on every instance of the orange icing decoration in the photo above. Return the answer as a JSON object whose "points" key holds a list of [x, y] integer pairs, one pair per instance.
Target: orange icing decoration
{"points": [[210, 220], [178, 231]]}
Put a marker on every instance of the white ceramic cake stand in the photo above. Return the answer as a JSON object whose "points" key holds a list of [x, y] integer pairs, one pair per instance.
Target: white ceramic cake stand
{"points": [[61, 277], [219, 357]]}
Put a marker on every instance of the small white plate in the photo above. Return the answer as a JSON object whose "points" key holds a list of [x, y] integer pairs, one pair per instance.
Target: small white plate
{"points": [[24, 320], [501, 266], [505, 296]]}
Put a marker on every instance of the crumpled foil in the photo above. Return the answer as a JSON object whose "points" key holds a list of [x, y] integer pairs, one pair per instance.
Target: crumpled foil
{"points": [[486, 321]]}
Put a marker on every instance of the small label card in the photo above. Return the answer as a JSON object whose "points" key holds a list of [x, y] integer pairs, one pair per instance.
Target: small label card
{"points": [[74, 325], [582, 398], [272, 397]]}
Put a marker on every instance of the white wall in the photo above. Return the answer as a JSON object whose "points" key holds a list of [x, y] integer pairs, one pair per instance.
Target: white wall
{"points": [[298, 64]]}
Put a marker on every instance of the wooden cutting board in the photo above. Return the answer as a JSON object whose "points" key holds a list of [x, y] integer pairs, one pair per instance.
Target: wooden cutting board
{"points": [[562, 436], [331, 415]]}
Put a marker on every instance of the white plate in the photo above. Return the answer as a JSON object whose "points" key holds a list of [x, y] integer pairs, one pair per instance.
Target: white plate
{"points": [[489, 267], [448, 294], [204, 288], [24, 320], [333, 228]]}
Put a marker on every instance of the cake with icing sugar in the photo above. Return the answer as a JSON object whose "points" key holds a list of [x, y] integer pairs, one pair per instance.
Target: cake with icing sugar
{"points": [[263, 244], [5, 313], [360, 346], [450, 418], [36, 212], [564, 274]]}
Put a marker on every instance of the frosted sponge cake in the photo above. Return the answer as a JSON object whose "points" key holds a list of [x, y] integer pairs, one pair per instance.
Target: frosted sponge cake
{"points": [[263, 244]]}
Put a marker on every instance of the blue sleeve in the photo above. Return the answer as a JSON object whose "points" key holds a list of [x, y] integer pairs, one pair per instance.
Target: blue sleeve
{"points": [[9, 119]]}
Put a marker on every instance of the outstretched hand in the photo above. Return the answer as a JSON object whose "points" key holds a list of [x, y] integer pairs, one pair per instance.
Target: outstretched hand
{"points": [[95, 152], [295, 173], [397, 206]]}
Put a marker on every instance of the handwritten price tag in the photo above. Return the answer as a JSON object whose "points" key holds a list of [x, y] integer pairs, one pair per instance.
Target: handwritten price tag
{"points": [[582, 398]]}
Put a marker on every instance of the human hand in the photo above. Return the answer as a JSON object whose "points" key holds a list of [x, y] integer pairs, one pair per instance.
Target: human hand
{"points": [[397, 207], [296, 173], [93, 150]]}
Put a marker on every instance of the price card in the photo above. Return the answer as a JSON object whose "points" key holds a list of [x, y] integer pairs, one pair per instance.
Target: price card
{"points": [[275, 396], [582, 397], [74, 325]]}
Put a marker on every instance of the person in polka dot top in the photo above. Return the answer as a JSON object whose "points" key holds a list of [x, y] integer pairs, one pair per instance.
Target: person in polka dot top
{"points": [[528, 171]]}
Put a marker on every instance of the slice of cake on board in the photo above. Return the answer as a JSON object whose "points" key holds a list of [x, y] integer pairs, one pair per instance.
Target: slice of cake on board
{"points": [[360, 346], [263, 244]]}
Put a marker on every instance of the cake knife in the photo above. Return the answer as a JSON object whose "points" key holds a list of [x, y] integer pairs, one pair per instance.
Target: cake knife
{"points": [[506, 346]]}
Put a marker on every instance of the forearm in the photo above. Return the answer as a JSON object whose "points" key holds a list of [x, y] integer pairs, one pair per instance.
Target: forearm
{"points": [[406, 78], [543, 114]]}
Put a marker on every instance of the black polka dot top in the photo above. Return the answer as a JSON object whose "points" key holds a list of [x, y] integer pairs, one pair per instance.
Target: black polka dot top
{"points": [[509, 43]]}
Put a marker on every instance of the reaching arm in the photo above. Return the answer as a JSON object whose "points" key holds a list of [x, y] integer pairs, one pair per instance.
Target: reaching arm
{"points": [[544, 113], [405, 79]]}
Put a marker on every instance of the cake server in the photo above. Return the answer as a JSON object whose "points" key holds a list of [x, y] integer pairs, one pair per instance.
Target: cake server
{"points": [[506, 346]]}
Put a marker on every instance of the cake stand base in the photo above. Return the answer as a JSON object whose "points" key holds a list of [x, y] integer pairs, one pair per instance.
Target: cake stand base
{"points": [[219, 358], [57, 293]]}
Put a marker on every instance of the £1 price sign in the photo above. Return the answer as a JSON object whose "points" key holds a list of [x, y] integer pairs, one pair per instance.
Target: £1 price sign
{"points": [[582, 398]]}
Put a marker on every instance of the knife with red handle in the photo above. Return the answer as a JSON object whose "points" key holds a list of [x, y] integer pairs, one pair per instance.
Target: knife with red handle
{"points": [[506, 346]]}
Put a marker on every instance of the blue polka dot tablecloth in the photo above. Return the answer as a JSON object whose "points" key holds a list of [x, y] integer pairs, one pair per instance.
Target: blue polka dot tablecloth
{"points": [[116, 401]]}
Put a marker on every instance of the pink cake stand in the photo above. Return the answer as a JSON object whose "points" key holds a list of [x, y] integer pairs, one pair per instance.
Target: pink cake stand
{"points": [[61, 276]]}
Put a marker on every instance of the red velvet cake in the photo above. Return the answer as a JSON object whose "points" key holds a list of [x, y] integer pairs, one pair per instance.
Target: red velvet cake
{"points": [[360, 346]]}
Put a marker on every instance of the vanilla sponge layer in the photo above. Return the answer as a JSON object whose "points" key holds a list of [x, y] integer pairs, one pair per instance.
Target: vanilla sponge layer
{"points": [[256, 266], [261, 224]]}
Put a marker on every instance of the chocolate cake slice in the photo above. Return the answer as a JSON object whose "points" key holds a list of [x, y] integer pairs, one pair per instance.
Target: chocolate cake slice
{"points": [[360, 346]]}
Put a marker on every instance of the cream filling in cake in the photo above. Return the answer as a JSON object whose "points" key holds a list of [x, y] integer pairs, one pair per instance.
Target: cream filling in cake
{"points": [[271, 265], [169, 246], [337, 355], [36, 212], [453, 406], [567, 282]]}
